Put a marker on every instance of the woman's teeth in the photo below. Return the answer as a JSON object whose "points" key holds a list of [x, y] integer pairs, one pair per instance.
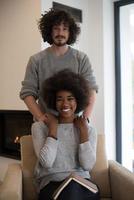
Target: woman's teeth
{"points": [[66, 110]]}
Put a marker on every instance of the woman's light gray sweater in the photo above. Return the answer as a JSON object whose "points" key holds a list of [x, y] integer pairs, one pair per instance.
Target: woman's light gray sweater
{"points": [[58, 158]]}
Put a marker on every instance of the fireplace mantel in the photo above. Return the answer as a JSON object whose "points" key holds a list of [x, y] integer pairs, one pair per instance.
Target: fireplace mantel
{"points": [[13, 125]]}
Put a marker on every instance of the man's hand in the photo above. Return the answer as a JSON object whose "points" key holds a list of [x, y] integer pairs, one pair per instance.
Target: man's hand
{"points": [[82, 124], [88, 111], [43, 118], [52, 123]]}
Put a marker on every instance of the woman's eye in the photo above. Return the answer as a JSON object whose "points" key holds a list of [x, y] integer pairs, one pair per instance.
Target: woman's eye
{"points": [[55, 28], [58, 100], [65, 29]]}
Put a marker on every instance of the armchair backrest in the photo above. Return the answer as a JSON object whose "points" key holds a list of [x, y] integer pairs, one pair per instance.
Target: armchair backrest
{"points": [[99, 173], [28, 162]]}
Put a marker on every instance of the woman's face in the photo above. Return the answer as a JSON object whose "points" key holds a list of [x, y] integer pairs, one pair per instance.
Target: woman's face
{"points": [[66, 106]]}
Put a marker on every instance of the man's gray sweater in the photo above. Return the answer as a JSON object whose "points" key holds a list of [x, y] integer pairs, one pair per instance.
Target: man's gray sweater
{"points": [[44, 64]]}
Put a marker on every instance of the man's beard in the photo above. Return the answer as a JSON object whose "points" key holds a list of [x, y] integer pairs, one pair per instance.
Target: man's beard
{"points": [[59, 42]]}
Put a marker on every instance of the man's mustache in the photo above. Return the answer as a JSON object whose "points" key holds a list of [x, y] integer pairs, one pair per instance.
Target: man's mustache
{"points": [[59, 37]]}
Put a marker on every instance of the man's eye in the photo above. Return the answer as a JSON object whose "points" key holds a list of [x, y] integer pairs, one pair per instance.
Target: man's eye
{"points": [[71, 98]]}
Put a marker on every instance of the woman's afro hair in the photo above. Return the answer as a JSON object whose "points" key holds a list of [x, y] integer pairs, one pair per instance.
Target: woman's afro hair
{"points": [[68, 81]]}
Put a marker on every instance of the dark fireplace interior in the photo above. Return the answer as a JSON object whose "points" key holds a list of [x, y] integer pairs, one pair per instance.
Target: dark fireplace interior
{"points": [[13, 125]]}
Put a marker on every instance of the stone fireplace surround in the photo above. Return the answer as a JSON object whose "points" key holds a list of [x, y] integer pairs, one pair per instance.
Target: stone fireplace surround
{"points": [[13, 125]]}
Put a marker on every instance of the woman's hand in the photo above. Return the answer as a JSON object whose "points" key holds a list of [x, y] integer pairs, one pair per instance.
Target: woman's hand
{"points": [[82, 125], [52, 123]]}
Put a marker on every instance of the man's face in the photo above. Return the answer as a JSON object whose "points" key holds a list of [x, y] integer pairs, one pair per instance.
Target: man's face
{"points": [[60, 34]]}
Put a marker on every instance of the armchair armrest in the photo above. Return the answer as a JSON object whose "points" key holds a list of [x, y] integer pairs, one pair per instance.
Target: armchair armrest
{"points": [[121, 181], [11, 188]]}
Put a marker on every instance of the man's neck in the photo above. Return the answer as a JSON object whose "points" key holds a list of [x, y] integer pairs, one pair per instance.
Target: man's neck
{"points": [[59, 50]]}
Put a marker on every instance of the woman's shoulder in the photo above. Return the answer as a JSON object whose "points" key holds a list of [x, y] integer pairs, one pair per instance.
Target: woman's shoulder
{"points": [[39, 128], [39, 124], [91, 129]]}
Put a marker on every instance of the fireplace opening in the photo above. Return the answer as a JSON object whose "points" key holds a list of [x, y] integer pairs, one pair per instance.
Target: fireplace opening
{"points": [[13, 125]]}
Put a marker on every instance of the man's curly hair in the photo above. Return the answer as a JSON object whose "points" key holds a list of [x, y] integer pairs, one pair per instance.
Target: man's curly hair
{"points": [[68, 81], [56, 17]]}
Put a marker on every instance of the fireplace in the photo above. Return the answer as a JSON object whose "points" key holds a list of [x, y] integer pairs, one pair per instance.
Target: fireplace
{"points": [[13, 125]]}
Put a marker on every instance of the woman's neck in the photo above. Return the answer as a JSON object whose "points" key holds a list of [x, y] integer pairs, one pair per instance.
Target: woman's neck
{"points": [[66, 120]]}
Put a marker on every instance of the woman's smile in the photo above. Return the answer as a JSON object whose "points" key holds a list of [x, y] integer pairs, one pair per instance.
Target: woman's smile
{"points": [[66, 106]]}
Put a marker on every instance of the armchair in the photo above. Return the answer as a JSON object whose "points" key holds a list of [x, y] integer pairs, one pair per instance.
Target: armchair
{"points": [[11, 187], [115, 182]]}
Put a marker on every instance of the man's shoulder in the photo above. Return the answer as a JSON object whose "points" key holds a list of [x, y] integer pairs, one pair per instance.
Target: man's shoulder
{"points": [[78, 53], [40, 55]]}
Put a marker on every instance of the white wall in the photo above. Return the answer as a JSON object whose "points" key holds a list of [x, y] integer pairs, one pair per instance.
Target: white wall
{"points": [[126, 39], [19, 38], [109, 77]]}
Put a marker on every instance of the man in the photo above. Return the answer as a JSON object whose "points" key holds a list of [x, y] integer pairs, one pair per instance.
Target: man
{"points": [[60, 30]]}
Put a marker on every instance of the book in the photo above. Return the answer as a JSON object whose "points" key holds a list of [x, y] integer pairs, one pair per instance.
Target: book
{"points": [[79, 179]]}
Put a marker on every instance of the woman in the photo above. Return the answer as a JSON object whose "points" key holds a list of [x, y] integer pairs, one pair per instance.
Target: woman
{"points": [[66, 143]]}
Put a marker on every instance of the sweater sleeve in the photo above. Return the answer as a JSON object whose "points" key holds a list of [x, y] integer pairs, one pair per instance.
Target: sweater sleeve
{"points": [[30, 85], [87, 71], [45, 147], [87, 151]]}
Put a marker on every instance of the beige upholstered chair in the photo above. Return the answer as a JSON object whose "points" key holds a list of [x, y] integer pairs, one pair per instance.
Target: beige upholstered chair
{"points": [[115, 182], [11, 187]]}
